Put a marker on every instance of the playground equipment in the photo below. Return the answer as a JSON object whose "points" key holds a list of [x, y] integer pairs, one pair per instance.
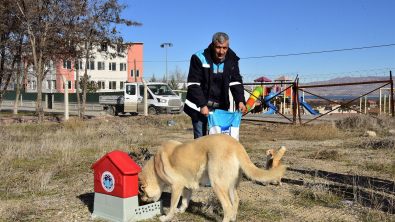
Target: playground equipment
{"points": [[306, 106], [260, 91], [266, 101]]}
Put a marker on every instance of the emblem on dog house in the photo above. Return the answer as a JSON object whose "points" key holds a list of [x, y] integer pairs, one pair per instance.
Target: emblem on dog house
{"points": [[116, 190]]}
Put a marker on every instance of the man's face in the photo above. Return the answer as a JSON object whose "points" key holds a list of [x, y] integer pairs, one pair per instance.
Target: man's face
{"points": [[219, 50]]}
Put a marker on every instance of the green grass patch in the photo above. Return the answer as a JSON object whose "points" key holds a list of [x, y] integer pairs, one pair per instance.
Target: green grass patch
{"points": [[379, 167], [317, 195], [248, 208]]}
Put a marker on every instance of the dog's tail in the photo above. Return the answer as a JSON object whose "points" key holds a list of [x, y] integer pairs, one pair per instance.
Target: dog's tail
{"points": [[254, 173], [277, 158]]}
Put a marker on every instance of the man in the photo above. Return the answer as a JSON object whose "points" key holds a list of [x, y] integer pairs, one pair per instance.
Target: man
{"points": [[212, 72]]}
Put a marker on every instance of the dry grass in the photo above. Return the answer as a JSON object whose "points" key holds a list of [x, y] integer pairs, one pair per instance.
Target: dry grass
{"points": [[325, 154], [385, 143], [45, 168], [365, 122]]}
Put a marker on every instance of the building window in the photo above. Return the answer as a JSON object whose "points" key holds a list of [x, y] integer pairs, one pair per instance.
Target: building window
{"points": [[132, 72], [121, 85], [33, 85], [103, 47], [53, 84], [122, 66], [79, 65], [66, 64], [112, 66], [31, 68], [91, 65], [47, 65], [93, 85], [69, 84], [120, 49], [49, 84], [112, 85], [100, 85], [100, 66]]}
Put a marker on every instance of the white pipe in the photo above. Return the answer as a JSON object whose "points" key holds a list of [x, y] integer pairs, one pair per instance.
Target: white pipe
{"points": [[66, 98], [145, 97]]}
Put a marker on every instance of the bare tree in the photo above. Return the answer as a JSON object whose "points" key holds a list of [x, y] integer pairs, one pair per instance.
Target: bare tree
{"points": [[12, 45], [99, 26], [64, 29], [178, 74], [177, 77], [44, 23]]}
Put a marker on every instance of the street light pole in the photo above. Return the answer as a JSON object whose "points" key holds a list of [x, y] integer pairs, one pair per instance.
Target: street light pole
{"points": [[163, 45]]}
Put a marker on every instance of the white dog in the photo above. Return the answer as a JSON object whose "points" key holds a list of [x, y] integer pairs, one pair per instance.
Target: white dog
{"points": [[217, 158]]}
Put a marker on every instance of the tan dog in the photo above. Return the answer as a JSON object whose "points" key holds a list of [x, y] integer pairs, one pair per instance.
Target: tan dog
{"points": [[273, 160], [217, 158]]}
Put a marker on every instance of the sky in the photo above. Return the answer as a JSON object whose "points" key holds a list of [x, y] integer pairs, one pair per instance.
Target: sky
{"points": [[263, 28]]}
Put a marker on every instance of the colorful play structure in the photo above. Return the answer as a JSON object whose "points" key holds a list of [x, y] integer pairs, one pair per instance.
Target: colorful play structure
{"points": [[267, 96]]}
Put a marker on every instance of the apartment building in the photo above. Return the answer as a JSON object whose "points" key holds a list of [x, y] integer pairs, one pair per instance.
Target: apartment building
{"points": [[106, 73]]}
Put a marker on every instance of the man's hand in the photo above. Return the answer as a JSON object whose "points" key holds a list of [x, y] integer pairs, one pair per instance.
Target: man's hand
{"points": [[242, 107], [204, 111]]}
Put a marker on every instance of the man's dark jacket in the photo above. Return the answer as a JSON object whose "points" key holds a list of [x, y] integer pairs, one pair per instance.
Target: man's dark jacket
{"points": [[200, 78]]}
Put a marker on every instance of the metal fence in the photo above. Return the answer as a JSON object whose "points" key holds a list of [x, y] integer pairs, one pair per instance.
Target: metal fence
{"points": [[324, 100], [305, 99]]}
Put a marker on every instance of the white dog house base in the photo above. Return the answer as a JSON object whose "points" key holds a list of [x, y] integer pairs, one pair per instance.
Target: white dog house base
{"points": [[123, 209], [116, 190]]}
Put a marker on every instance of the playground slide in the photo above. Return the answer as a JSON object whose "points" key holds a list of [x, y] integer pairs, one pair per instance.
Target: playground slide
{"points": [[305, 105], [272, 109], [270, 96], [254, 96]]}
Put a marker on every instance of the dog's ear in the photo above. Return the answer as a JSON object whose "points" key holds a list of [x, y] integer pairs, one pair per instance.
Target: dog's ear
{"points": [[142, 186]]}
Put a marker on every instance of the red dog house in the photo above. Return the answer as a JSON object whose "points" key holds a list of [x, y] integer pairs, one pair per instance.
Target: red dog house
{"points": [[116, 174]]}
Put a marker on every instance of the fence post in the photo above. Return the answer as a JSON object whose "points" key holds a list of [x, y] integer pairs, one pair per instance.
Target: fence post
{"points": [[392, 95], [294, 102], [66, 98], [380, 103], [360, 104], [297, 99]]}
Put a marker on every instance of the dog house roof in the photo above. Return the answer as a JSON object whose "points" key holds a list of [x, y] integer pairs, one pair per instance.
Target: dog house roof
{"points": [[122, 161]]}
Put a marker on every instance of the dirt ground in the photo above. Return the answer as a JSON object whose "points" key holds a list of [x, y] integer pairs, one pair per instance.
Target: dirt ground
{"points": [[314, 188]]}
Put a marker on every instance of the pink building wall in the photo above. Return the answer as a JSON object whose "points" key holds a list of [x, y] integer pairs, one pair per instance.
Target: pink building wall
{"points": [[69, 73], [135, 52]]}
